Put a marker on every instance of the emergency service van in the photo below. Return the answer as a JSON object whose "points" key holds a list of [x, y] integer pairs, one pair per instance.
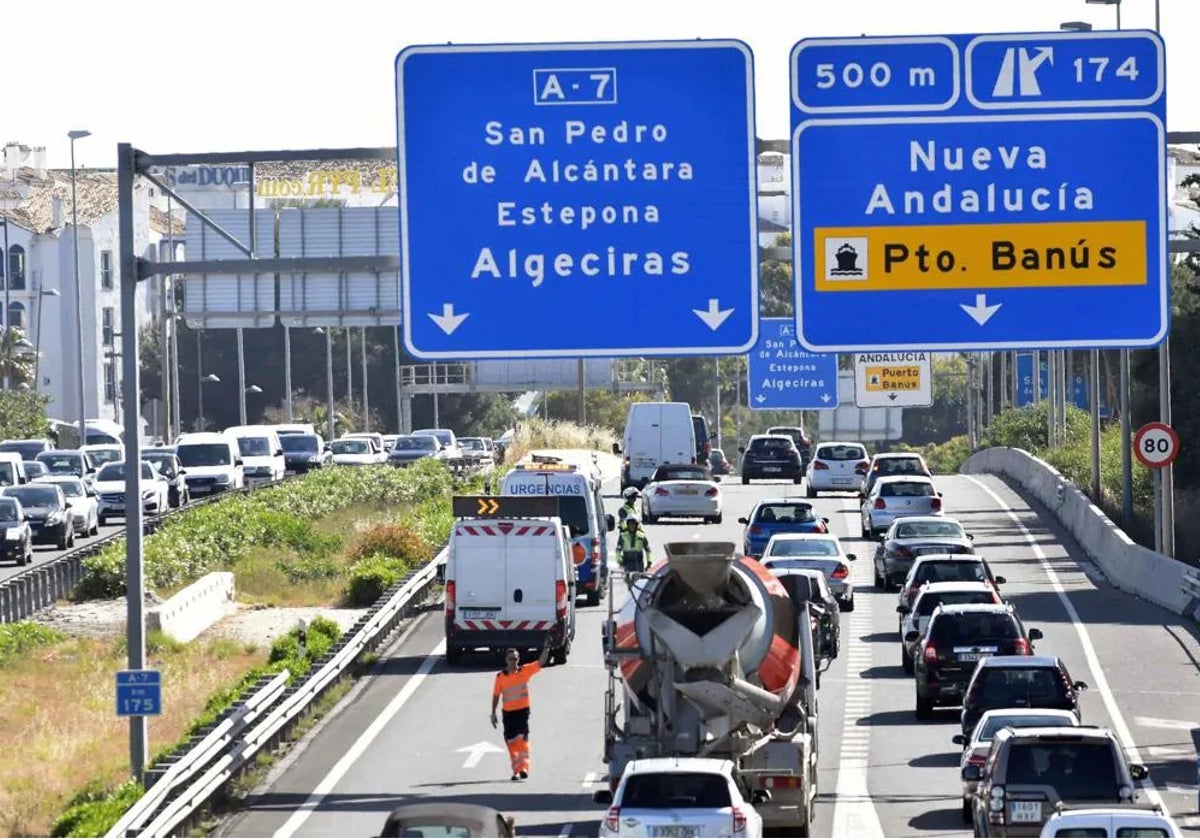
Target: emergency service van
{"points": [[509, 578], [656, 433], [582, 510]]}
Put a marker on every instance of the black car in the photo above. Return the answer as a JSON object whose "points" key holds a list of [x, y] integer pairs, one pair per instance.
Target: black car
{"points": [[704, 438], [302, 453], [1005, 682], [808, 585], [799, 437], [911, 536], [46, 510], [771, 456], [16, 538], [171, 468], [958, 637]]}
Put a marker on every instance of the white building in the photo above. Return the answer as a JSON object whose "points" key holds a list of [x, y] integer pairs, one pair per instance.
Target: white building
{"points": [[40, 260], [1184, 207]]}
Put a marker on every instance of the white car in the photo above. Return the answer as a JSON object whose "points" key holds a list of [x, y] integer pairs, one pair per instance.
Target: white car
{"points": [[102, 453], [976, 748], [375, 438], [931, 596], [85, 513], [836, 467], [822, 552], [1111, 822], [356, 452], [679, 797], [893, 497], [110, 489], [682, 491]]}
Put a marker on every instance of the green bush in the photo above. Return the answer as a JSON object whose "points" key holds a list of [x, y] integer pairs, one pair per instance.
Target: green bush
{"points": [[16, 639], [374, 575], [94, 810]]}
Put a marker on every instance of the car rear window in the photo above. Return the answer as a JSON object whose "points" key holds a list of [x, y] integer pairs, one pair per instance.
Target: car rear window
{"points": [[1076, 770], [908, 530], [841, 453], [785, 513], [803, 548], [900, 466], [676, 790], [998, 722], [944, 571], [775, 444], [680, 474], [930, 601], [1030, 687], [907, 488], [972, 628]]}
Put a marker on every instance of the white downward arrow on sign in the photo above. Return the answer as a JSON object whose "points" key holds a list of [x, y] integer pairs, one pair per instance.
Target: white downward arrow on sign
{"points": [[825, 398], [981, 312], [476, 752], [760, 399], [448, 321], [714, 316]]}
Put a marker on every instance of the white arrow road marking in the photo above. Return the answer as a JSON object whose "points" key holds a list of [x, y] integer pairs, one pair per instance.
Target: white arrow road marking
{"points": [[477, 751], [1163, 723], [448, 321], [714, 316], [981, 312]]}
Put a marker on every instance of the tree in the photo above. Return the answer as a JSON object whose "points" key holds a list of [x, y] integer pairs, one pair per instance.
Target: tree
{"points": [[23, 414], [605, 409], [150, 361], [775, 289], [947, 416], [16, 357]]}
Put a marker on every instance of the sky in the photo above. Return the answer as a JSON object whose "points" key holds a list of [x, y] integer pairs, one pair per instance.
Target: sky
{"points": [[261, 74]]}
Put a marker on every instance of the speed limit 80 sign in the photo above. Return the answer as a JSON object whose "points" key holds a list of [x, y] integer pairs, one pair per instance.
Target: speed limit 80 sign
{"points": [[1156, 445]]}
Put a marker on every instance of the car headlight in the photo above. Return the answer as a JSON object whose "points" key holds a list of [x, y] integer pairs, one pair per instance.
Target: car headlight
{"points": [[54, 518], [147, 494], [223, 479]]}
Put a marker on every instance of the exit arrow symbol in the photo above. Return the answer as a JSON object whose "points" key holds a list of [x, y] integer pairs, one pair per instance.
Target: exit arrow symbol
{"points": [[448, 321], [892, 397], [981, 312], [488, 506], [714, 316], [476, 752], [760, 399], [825, 398]]}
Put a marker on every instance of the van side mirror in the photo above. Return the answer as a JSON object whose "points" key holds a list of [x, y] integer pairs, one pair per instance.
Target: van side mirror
{"points": [[743, 520], [961, 740], [742, 450], [760, 797], [441, 573], [971, 537], [1138, 772], [278, 452], [716, 479], [911, 636], [602, 797], [999, 580], [862, 495], [616, 450], [1035, 634], [972, 773], [851, 556], [1080, 685], [610, 524], [903, 610]]}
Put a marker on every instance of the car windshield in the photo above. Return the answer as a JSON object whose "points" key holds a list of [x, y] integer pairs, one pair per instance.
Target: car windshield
{"points": [[8, 510], [62, 464], [116, 472], [352, 446], [417, 443], [103, 456], [906, 488], [442, 435], [772, 444], [841, 453], [945, 571], [908, 530], [660, 791], [803, 548], [28, 449], [299, 443], [34, 469], [204, 455], [995, 723], [34, 497], [1004, 687], [165, 464], [973, 628], [680, 474], [1075, 770], [474, 444], [785, 512], [931, 600], [255, 447], [72, 489], [6, 473]]}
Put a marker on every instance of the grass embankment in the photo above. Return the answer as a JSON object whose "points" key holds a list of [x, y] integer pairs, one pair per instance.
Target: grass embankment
{"points": [[557, 434]]}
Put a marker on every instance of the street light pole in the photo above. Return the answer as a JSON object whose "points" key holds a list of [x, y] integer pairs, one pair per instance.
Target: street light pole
{"points": [[77, 134], [329, 427], [37, 349], [241, 348], [287, 372], [5, 272], [366, 392]]}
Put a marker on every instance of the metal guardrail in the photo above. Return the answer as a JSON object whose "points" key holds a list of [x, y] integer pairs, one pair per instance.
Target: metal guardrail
{"points": [[169, 808], [1190, 585]]}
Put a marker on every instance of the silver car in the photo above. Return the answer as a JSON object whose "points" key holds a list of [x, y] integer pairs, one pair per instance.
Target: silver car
{"points": [[819, 552], [896, 496]]}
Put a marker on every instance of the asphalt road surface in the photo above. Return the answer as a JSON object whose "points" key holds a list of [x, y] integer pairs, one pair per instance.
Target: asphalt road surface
{"points": [[418, 728], [47, 552]]}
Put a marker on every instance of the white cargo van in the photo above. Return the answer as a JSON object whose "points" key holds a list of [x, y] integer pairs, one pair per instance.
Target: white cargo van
{"points": [[581, 509], [262, 453], [656, 433], [509, 580], [211, 462]]}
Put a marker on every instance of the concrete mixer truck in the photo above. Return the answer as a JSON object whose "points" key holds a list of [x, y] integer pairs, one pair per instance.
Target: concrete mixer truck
{"points": [[706, 658]]}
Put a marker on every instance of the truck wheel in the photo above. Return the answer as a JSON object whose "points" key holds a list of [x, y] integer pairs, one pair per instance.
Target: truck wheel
{"points": [[592, 597], [924, 708], [453, 655], [810, 492], [649, 518], [905, 660], [559, 655], [745, 480], [967, 813]]}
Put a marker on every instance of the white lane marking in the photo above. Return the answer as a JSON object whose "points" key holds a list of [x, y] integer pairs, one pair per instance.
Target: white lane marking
{"points": [[1085, 641], [356, 750], [1172, 752], [854, 813], [566, 830], [476, 752], [1164, 723]]}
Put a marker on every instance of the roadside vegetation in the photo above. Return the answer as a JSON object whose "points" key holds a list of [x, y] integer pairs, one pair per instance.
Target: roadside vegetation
{"points": [[558, 434]]}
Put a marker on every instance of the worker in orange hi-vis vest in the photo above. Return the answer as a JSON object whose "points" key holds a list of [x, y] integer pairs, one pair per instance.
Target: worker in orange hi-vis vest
{"points": [[511, 690]]}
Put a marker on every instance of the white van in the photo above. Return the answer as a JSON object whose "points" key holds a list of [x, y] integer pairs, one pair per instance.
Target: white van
{"points": [[12, 469], [262, 453], [211, 462], [294, 429], [581, 509], [656, 433], [509, 580]]}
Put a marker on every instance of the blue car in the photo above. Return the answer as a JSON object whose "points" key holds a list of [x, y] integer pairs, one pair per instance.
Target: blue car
{"points": [[778, 516]]}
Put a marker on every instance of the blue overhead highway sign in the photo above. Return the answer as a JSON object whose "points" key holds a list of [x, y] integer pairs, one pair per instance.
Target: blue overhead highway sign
{"points": [[139, 693], [784, 376], [566, 200], [970, 192]]}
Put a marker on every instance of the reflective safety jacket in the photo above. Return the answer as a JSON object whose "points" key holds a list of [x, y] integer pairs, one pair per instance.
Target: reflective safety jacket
{"points": [[633, 541], [627, 510], [513, 689]]}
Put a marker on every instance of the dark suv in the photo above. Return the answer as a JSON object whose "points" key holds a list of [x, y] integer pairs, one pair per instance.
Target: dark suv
{"points": [[1004, 682], [1029, 772], [771, 456], [958, 638], [704, 438], [802, 441]]}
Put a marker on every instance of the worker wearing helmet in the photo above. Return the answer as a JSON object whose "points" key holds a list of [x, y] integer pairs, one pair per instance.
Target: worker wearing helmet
{"points": [[633, 546], [629, 508]]}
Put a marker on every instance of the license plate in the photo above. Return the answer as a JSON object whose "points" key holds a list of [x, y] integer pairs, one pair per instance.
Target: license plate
{"points": [[771, 469], [1026, 812], [971, 657], [843, 481], [687, 492], [480, 613], [676, 831]]}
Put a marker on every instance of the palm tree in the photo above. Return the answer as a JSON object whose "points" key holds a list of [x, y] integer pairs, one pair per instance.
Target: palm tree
{"points": [[16, 357]]}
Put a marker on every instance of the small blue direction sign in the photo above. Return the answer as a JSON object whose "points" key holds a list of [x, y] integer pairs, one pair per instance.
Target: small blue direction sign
{"points": [[784, 376], [139, 693], [1030, 390], [965, 192], [566, 200]]}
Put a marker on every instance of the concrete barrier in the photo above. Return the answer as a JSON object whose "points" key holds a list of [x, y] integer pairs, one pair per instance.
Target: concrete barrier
{"points": [[195, 608], [1131, 567]]}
